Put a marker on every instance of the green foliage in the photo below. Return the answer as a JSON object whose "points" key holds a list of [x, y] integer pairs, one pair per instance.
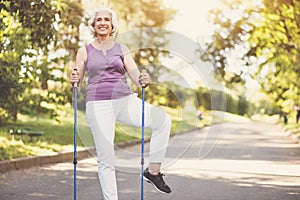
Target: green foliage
{"points": [[282, 22], [13, 42], [221, 101], [38, 39], [34, 16], [267, 38]]}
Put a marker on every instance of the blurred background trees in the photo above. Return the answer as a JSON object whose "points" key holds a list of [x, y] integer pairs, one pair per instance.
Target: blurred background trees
{"points": [[252, 40], [264, 40]]}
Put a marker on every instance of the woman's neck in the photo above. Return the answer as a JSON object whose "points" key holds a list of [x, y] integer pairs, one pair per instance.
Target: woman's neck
{"points": [[103, 43], [103, 39]]}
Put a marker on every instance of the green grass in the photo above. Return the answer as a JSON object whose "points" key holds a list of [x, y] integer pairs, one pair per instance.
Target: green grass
{"points": [[58, 134], [293, 128]]}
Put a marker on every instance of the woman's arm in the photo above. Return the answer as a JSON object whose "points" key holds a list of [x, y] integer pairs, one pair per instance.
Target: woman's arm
{"points": [[78, 74], [139, 79]]}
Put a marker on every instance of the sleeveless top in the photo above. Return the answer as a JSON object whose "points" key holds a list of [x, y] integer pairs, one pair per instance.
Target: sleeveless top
{"points": [[106, 74]]}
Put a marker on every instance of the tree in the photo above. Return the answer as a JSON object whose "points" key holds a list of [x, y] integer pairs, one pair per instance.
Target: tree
{"points": [[38, 38], [281, 50], [267, 38], [13, 42]]}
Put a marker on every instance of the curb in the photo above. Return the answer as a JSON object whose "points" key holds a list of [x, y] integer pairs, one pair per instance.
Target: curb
{"points": [[27, 162], [31, 161]]}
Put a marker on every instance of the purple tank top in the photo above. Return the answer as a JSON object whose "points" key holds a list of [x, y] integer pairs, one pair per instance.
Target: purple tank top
{"points": [[106, 74]]}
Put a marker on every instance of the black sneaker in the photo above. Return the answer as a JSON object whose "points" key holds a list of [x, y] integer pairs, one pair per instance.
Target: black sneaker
{"points": [[157, 181]]}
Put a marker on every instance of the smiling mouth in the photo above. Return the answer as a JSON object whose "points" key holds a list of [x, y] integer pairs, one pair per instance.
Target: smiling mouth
{"points": [[102, 28]]}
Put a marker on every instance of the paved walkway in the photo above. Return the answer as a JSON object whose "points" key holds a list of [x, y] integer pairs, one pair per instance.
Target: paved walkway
{"points": [[223, 162]]}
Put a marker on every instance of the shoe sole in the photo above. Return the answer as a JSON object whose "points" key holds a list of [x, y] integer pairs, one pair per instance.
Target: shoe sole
{"points": [[147, 180]]}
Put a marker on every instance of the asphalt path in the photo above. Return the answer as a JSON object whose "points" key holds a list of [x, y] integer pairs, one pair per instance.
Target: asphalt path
{"points": [[231, 161]]}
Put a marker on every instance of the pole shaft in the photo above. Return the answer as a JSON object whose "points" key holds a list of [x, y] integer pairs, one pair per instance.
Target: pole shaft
{"points": [[143, 142], [75, 138]]}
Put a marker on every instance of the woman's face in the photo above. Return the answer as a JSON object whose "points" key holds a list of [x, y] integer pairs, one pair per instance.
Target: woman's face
{"points": [[103, 24]]}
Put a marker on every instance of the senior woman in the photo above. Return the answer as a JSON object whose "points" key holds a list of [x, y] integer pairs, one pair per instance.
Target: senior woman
{"points": [[110, 99]]}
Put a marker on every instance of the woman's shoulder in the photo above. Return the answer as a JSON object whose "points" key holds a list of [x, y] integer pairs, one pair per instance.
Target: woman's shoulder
{"points": [[82, 49], [87, 47]]}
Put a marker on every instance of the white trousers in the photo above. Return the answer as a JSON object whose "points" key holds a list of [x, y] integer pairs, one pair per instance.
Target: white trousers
{"points": [[102, 116]]}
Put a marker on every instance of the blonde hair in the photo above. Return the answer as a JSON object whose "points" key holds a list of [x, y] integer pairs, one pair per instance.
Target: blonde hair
{"points": [[114, 20]]}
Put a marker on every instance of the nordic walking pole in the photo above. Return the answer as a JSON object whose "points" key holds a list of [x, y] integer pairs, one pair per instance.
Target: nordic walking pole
{"points": [[75, 88], [143, 141]]}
